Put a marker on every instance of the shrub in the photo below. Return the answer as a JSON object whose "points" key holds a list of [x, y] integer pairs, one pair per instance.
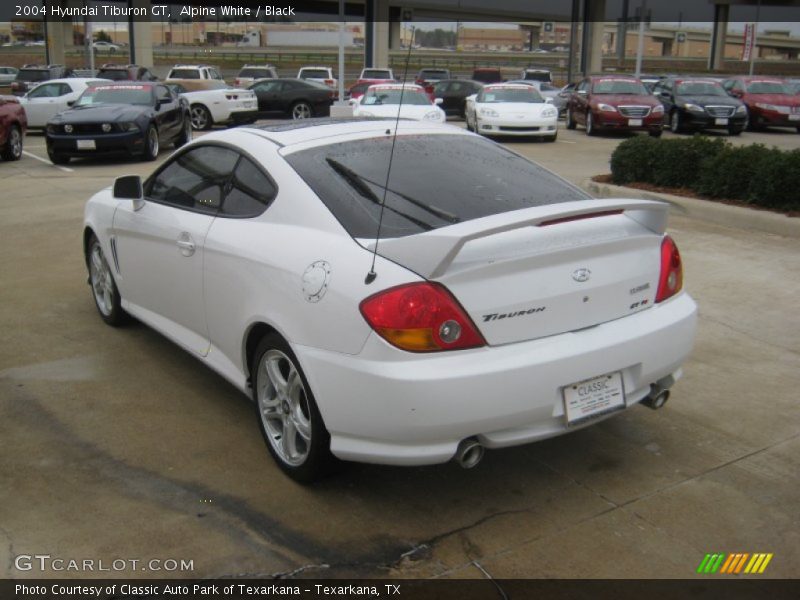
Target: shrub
{"points": [[754, 174]]}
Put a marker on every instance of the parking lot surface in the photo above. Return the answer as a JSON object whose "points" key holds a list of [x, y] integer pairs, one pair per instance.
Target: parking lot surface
{"points": [[117, 444]]}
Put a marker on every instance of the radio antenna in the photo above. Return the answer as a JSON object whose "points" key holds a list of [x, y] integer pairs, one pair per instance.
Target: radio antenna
{"points": [[372, 274]]}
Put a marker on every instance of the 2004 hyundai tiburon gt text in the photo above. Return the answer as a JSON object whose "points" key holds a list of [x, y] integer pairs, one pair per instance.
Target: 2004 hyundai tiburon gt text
{"points": [[505, 305]]}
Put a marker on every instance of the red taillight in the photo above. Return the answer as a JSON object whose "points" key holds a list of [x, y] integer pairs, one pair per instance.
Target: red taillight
{"points": [[671, 279], [329, 82], [236, 81], [421, 317]]}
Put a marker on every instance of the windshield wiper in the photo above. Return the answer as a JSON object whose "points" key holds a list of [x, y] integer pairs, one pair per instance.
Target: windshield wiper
{"points": [[357, 183]]}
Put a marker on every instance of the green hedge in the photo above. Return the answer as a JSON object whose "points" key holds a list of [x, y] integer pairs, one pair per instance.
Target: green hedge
{"points": [[753, 174]]}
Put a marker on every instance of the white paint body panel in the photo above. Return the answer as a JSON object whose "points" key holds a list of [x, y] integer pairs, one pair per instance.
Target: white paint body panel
{"points": [[221, 107], [40, 110]]}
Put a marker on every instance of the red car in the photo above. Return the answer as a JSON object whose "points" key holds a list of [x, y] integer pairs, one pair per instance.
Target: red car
{"points": [[769, 100], [13, 124], [618, 102], [357, 89]]}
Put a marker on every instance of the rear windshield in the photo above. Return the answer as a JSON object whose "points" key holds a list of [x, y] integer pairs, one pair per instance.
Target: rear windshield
{"points": [[487, 76], [33, 75], [436, 180], [185, 74], [434, 74], [375, 74], [114, 74], [537, 76], [767, 87], [256, 73], [314, 73]]}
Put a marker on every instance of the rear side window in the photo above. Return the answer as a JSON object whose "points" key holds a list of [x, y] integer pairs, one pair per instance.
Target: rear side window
{"points": [[195, 180], [185, 74], [314, 74], [436, 180], [250, 191], [114, 74]]}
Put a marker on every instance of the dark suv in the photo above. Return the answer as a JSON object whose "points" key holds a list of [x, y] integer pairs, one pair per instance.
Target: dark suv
{"points": [[31, 75], [125, 73], [693, 103]]}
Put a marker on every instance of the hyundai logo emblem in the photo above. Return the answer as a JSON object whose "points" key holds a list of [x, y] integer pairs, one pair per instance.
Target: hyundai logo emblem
{"points": [[581, 275]]}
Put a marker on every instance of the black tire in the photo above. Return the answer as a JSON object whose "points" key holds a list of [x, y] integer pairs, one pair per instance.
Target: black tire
{"points": [[655, 133], [57, 159], [201, 118], [151, 144], [12, 149], [675, 124], [101, 282], [185, 136], [570, 120], [301, 110], [469, 125], [317, 460], [590, 128]]}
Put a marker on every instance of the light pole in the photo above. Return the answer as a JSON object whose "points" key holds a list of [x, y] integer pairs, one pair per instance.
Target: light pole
{"points": [[640, 46]]}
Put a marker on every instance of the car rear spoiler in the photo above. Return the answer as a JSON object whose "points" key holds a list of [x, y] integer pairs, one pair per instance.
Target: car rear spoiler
{"points": [[430, 253]]}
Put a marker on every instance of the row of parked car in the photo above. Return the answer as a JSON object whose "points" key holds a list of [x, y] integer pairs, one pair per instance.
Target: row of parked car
{"points": [[197, 97]]}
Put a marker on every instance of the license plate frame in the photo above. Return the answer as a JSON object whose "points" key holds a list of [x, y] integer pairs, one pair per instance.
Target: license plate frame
{"points": [[720, 121], [635, 122], [794, 117], [86, 144], [592, 398]]}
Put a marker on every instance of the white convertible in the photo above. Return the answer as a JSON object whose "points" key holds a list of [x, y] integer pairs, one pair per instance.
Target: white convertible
{"points": [[49, 98], [220, 105], [389, 99], [511, 109], [501, 304]]}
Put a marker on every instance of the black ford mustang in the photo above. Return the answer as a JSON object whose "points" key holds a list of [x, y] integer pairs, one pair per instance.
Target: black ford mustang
{"points": [[133, 118]]}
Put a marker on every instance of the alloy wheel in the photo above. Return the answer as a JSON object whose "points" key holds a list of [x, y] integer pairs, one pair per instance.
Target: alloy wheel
{"points": [[283, 407], [301, 111], [102, 281]]}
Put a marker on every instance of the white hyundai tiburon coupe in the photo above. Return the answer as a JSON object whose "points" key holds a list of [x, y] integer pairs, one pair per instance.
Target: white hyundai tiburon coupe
{"points": [[505, 305]]}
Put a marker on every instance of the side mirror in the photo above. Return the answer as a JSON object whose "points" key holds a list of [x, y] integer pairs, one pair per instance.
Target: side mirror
{"points": [[353, 102], [129, 187], [472, 97], [438, 101], [548, 100]]}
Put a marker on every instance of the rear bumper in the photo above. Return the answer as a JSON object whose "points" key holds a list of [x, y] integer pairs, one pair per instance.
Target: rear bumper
{"points": [[393, 407], [243, 115]]}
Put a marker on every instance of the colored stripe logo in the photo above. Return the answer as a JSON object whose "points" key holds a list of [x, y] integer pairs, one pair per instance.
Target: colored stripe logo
{"points": [[735, 563]]}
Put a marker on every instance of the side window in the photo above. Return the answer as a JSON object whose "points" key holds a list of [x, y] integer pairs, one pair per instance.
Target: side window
{"points": [[213, 74], [738, 85], [195, 180], [162, 93], [250, 191], [48, 90]]}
